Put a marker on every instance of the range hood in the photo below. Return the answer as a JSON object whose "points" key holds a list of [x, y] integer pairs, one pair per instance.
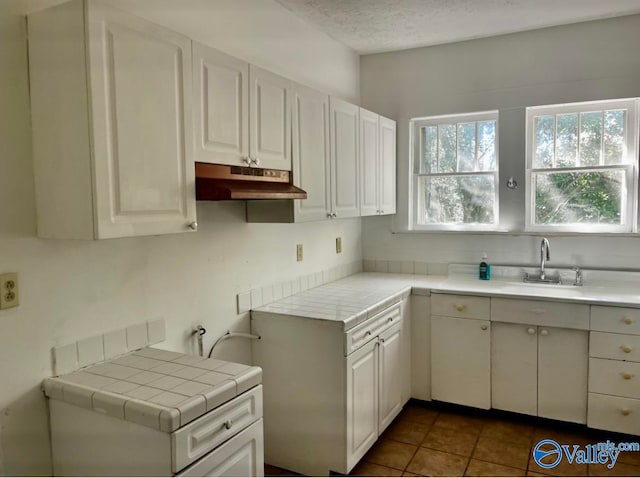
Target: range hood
{"points": [[219, 182]]}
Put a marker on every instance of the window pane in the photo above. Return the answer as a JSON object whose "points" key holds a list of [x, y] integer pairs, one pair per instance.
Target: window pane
{"points": [[447, 149], [430, 144], [566, 140], [458, 200], [590, 138], [486, 146], [614, 129], [594, 197], [466, 147], [544, 127]]}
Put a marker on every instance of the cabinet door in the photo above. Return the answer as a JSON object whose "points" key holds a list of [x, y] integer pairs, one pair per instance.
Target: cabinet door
{"points": [[387, 188], [311, 153], [242, 455], [563, 357], [362, 401], [391, 373], [369, 158], [140, 87], [460, 361], [270, 119], [345, 183], [514, 368], [221, 106]]}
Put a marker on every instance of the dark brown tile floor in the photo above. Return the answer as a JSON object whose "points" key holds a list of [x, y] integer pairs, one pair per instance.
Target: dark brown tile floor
{"points": [[435, 440]]}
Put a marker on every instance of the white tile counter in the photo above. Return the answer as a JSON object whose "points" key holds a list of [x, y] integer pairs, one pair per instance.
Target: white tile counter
{"points": [[355, 298], [155, 388]]}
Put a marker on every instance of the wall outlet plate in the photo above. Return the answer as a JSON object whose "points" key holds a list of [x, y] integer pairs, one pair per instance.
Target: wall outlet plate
{"points": [[299, 253], [9, 296], [338, 245]]}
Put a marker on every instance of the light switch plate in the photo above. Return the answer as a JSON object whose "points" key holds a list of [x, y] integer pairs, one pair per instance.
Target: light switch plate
{"points": [[9, 295]]}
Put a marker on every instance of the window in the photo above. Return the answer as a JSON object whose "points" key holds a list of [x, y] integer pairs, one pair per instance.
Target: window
{"points": [[455, 184], [582, 167]]}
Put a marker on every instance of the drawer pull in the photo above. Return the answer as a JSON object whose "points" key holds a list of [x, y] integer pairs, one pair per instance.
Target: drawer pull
{"points": [[627, 320], [228, 424], [531, 331], [367, 333], [381, 340], [627, 376], [537, 311], [460, 307], [625, 412], [626, 349], [390, 319]]}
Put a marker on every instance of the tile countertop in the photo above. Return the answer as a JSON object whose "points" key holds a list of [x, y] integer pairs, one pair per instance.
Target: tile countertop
{"points": [[355, 298], [153, 387]]}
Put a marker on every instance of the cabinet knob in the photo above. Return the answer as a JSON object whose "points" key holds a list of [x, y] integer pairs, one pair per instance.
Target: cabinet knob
{"points": [[228, 424], [625, 412], [460, 307], [390, 319], [193, 226], [334, 215], [627, 376], [544, 332], [255, 161], [381, 340], [484, 327], [628, 320], [626, 349], [367, 333], [329, 215], [531, 331], [246, 160], [381, 211]]}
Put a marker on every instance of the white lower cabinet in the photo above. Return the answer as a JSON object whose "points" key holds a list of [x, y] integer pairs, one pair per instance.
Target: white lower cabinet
{"points": [[348, 386], [241, 456], [460, 361], [539, 371]]}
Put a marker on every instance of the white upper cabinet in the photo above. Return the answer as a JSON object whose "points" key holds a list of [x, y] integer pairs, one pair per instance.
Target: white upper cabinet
{"points": [[242, 112], [311, 166], [221, 106], [270, 119], [387, 175], [377, 164], [369, 161], [119, 162], [345, 181]]}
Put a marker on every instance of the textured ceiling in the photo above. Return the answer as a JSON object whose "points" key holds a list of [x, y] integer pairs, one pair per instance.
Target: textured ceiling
{"points": [[371, 26]]}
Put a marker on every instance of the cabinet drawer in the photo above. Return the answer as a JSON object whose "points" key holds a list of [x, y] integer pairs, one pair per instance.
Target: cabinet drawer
{"points": [[614, 414], [613, 377], [615, 346], [361, 334], [539, 312], [207, 432], [619, 320], [463, 306]]}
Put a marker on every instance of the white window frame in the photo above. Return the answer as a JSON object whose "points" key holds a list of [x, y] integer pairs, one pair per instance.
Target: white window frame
{"points": [[416, 195], [630, 213]]}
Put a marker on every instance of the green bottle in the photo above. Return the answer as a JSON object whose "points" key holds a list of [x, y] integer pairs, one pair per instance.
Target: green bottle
{"points": [[484, 272]]}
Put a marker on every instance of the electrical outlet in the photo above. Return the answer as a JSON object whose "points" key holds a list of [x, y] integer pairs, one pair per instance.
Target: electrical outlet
{"points": [[338, 245], [299, 254], [9, 290]]}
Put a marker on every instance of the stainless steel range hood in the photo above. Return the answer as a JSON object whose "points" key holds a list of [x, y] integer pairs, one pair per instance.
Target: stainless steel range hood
{"points": [[219, 182]]}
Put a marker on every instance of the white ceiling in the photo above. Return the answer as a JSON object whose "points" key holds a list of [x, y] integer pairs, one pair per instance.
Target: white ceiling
{"points": [[371, 26]]}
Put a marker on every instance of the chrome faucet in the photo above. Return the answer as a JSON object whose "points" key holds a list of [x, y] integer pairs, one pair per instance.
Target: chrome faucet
{"points": [[544, 252]]}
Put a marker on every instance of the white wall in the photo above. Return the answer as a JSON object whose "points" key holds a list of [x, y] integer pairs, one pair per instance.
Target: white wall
{"points": [[587, 61], [75, 289]]}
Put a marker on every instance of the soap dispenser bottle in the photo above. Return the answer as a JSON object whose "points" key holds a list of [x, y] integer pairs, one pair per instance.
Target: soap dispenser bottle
{"points": [[484, 270]]}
